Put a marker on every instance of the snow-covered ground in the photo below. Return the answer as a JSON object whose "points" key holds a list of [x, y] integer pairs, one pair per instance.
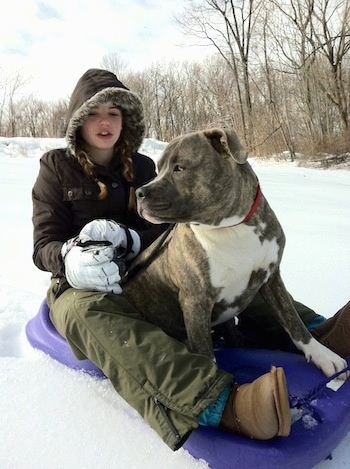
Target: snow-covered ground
{"points": [[51, 416]]}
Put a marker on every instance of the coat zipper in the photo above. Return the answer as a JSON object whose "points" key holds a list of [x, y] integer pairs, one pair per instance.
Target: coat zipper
{"points": [[164, 413]]}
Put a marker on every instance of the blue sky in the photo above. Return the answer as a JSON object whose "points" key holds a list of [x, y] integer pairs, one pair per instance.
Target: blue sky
{"points": [[53, 42]]}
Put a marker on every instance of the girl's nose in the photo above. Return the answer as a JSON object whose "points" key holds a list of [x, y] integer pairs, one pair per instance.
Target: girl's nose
{"points": [[104, 120]]}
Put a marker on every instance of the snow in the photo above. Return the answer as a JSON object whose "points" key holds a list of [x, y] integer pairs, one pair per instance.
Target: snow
{"points": [[55, 417]]}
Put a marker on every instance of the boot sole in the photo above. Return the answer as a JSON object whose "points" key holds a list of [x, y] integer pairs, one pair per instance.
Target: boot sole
{"points": [[280, 392]]}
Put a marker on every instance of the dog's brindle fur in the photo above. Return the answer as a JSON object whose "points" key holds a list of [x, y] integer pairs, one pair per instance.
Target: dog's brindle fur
{"points": [[213, 262]]}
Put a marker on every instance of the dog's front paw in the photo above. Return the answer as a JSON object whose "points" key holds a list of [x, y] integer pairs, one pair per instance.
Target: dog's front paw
{"points": [[325, 359]]}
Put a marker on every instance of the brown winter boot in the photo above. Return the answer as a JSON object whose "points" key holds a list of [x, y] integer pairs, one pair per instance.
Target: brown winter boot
{"points": [[334, 333], [260, 409]]}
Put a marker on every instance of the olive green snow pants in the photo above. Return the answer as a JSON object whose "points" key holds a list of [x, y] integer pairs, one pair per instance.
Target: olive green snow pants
{"points": [[157, 375]]}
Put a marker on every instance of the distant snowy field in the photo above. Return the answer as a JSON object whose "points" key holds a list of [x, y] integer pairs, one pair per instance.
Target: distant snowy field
{"points": [[54, 417]]}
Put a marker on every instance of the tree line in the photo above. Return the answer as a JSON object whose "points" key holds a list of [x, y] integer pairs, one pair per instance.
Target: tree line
{"points": [[279, 73]]}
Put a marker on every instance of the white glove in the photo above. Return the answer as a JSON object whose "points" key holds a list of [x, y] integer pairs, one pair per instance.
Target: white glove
{"points": [[92, 265], [127, 242]]}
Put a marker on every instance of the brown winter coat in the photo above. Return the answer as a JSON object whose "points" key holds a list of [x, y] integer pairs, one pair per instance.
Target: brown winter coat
{"points": [[65, 199]]}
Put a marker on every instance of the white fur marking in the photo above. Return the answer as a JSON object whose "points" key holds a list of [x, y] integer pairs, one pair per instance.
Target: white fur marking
{"points": [[324, 358], [234, 253]]}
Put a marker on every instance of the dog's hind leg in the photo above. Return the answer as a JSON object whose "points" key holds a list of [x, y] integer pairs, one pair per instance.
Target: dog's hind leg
{"points": [[276, 296], [232, 337]]}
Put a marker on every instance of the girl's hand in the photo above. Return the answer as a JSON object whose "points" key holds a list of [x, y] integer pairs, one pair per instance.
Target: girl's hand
{"points": [[126, 241], [92, 265]]}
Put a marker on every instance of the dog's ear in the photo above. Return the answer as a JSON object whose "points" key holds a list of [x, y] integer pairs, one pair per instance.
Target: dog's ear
{"points": [[226, 141]]}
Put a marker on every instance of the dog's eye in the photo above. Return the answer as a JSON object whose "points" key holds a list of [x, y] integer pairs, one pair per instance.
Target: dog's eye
{"points": [[177, 168]]}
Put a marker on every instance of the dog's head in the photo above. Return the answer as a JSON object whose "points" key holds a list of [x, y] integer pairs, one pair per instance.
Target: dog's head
{"points": [[198, 180]]}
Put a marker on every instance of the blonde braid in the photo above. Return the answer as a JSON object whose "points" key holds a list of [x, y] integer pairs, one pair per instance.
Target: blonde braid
{"points": [[126, 161], [89, 169], [128, 172]]}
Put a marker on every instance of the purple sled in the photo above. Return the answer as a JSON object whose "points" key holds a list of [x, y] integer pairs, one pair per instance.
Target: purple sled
{"points": [[310, 441]]}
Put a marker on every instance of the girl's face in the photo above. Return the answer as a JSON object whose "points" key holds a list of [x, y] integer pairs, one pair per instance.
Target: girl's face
{"points": [[102, 128]]}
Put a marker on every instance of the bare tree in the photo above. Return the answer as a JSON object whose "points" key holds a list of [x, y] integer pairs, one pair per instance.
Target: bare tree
{"points": [[314, 46], [11, 86], [30, 121], [229, 26], [114, 63], [331, 37]]}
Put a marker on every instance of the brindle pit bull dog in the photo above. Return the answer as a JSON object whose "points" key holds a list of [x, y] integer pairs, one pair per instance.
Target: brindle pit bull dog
{"points": [[226, 246]]}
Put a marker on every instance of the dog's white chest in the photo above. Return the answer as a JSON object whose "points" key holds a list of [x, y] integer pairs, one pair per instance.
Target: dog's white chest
{"points": [[234, 254]]}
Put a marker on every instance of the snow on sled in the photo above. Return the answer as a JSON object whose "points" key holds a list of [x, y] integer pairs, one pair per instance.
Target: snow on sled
{"points": [[322, 425]]}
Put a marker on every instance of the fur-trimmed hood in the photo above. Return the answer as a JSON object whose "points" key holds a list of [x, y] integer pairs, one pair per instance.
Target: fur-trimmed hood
{"points": [[98, 87]]}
